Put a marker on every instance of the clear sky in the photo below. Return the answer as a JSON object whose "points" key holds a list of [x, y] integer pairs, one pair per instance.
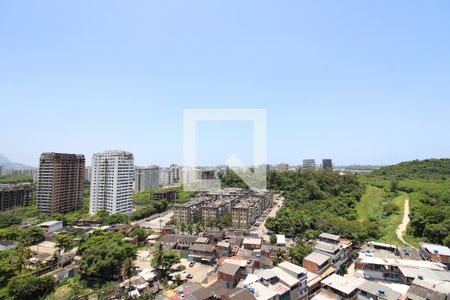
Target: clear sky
{"points": [[355, 81]]}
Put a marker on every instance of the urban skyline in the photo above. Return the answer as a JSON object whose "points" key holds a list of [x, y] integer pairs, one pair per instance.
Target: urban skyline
{"points": [[335, 81], [225, 150]]}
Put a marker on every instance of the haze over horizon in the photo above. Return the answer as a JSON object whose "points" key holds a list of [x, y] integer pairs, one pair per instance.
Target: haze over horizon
{"points": [[359, 82]]}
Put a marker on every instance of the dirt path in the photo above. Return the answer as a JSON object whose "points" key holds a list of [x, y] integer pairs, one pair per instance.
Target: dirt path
{"points": [[403, 225]]}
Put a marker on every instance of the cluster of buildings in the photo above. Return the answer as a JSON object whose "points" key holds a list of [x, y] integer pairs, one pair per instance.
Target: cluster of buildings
{"points": [[310, 164], [244, 207], [114, 178], [244, 267], [307, 164], [27, 171], [153, 177]]}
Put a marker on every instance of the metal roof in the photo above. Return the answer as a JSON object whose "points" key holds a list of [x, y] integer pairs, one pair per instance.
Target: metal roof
{"points": [[317, 258], [437, 249]]}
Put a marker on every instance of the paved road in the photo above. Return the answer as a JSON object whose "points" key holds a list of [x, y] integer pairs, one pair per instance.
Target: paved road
{"points": [[404, 224], [278, 202], [156, 221]]}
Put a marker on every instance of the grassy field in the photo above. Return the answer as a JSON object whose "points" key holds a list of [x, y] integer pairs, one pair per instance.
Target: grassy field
{"points": [[369, 203]]}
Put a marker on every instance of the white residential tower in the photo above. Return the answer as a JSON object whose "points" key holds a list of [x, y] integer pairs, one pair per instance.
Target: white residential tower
{"points": [[112, 174]]}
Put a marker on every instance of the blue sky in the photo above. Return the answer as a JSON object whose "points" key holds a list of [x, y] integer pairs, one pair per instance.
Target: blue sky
{"points": [[355, 81]]}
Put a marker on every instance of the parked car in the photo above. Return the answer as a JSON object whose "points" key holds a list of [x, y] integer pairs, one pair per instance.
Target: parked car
{"points": [[191, 264]]}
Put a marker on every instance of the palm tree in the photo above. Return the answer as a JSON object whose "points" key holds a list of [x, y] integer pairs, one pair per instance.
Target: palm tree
{"points": [[20, 260], [189, 228], [158, 260], [126, 271]]}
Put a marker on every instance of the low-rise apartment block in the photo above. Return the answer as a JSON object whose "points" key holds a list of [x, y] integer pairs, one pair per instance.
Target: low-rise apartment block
{"points": [[244, 206], [335, 247]]}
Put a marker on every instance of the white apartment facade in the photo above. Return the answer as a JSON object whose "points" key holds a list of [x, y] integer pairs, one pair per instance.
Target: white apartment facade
{"points": [[112, 175]]}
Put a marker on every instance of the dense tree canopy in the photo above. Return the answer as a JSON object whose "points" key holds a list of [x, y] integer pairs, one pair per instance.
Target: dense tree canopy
{"points": [[102, 255], [29, 287], [417, 169], [318, 201], [7, 219]]}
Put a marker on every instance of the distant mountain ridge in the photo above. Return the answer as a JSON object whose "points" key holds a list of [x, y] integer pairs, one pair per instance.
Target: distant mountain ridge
{"points": [[6, 163]]}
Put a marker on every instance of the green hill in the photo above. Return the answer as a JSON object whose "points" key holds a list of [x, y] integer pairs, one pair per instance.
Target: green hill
{"points": [[417, 169], [427, 183]]}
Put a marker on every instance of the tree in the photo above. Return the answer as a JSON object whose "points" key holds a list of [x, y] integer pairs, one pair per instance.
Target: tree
{"points": [[140, 232], [64, 242], [29, 287], [118, 218], [200, 226], [7, 219], [162, 261], [280, 255], [103, 255], [158, 260], [127, 270], [7, 268], [31, 235], [394, 185], [19, 260], [273, 239], [225, 220], [390, 209], [196, 228], [299, 252], [183, 227], [189, 228]]}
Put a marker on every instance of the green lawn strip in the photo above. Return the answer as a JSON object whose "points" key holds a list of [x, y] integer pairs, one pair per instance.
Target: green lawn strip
{"points": [[391, 223], [369, 202]]}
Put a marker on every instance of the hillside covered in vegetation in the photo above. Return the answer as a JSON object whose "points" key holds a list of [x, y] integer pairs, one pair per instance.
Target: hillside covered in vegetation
{"points": [[319, 201], [417, 169], [427, 184]]}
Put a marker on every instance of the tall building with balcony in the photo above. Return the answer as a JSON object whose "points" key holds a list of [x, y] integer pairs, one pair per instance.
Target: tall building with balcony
{"points": [[146, 178], [112, 182], [60, 182]]}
